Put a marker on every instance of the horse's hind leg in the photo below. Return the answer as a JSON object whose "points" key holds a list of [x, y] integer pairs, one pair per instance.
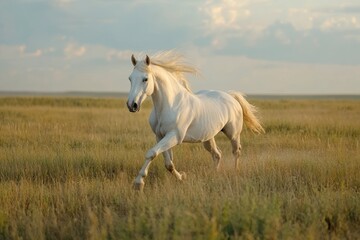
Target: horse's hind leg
{"points": [[236, 150], [210, 146], [234, 135], [168, 156]]}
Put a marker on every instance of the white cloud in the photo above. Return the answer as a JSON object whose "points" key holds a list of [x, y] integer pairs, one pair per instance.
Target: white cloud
{"points": [[225, 13], [301, 18], [325, 19], [21, 51], [97, 52], [73, 50], [340, 23], [37, 53], [229, 19], [114, 54]]}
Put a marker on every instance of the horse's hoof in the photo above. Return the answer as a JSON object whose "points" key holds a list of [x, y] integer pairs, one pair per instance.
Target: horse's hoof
{"points": [[183, 175], [139, 186]]}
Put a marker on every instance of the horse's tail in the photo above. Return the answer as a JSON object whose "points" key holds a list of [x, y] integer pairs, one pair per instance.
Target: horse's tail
{"points": [[249, 111]]}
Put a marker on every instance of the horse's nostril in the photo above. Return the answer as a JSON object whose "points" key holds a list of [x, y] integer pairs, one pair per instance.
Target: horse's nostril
{"points": [[135, 106]]}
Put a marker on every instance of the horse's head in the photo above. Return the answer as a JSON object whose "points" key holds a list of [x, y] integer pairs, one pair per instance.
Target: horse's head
{"points": [[142, 84]]}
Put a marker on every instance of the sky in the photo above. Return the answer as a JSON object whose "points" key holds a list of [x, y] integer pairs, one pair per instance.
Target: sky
{"points": [[253, 46]]}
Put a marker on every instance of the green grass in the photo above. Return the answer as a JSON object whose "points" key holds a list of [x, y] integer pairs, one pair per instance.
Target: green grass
{"points": [[67, 167]]}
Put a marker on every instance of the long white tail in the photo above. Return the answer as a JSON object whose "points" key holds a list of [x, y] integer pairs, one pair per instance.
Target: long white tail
{"points": [[249, 111]]}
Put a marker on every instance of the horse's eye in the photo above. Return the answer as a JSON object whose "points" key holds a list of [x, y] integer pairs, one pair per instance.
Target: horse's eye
{"points": [[145, 79]]}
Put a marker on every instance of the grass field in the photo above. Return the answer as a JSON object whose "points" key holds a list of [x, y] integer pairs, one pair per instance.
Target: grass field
{"points": [[67, 167]]}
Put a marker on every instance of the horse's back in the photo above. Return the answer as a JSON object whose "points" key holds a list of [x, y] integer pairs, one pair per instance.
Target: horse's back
{"points": [[216, 98]]}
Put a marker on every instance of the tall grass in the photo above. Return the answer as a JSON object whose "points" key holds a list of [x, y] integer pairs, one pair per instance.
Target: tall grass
{"points": [[67, 167]]}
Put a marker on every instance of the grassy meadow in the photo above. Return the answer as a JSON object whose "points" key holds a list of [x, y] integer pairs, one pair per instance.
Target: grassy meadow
{"points": [[67, 167]]}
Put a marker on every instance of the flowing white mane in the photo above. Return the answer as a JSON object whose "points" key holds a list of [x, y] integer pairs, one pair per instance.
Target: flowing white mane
{"points": [[174, 63]]}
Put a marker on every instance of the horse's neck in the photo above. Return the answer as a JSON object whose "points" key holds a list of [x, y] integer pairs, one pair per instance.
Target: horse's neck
{"points": [[168, 92]]}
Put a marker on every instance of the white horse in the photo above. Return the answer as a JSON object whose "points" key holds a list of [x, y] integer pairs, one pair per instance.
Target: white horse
{"points": [[182, 116]]}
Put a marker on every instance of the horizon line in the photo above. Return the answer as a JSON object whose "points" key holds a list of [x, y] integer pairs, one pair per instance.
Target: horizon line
{"points": [[124, 94]]}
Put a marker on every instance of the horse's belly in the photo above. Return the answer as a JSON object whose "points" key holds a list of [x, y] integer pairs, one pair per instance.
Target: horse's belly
{"points": [[201, 132]]}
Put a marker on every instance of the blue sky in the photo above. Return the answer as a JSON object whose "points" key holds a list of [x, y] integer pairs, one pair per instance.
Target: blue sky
{"points": [[257, 47]]}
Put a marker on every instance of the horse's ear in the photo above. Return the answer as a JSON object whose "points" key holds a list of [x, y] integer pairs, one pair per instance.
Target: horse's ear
{"points": [[147, 60], [133, 60]]}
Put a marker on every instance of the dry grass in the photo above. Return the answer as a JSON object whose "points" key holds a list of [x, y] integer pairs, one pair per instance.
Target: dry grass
{"points": [[67, 166]]}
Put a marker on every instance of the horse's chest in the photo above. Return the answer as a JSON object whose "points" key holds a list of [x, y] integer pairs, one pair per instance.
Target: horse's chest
{"points": [[165, 124]]}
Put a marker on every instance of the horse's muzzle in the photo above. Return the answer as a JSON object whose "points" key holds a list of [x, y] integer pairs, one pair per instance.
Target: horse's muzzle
{"points": [[133, 107]]}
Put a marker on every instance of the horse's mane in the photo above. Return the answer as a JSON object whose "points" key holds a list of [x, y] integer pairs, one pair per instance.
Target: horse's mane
{"points": [[174, 63]]}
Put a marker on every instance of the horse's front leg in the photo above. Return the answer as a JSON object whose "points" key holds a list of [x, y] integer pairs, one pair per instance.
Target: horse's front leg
{"points": [[168, 156], [170, 140]]}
